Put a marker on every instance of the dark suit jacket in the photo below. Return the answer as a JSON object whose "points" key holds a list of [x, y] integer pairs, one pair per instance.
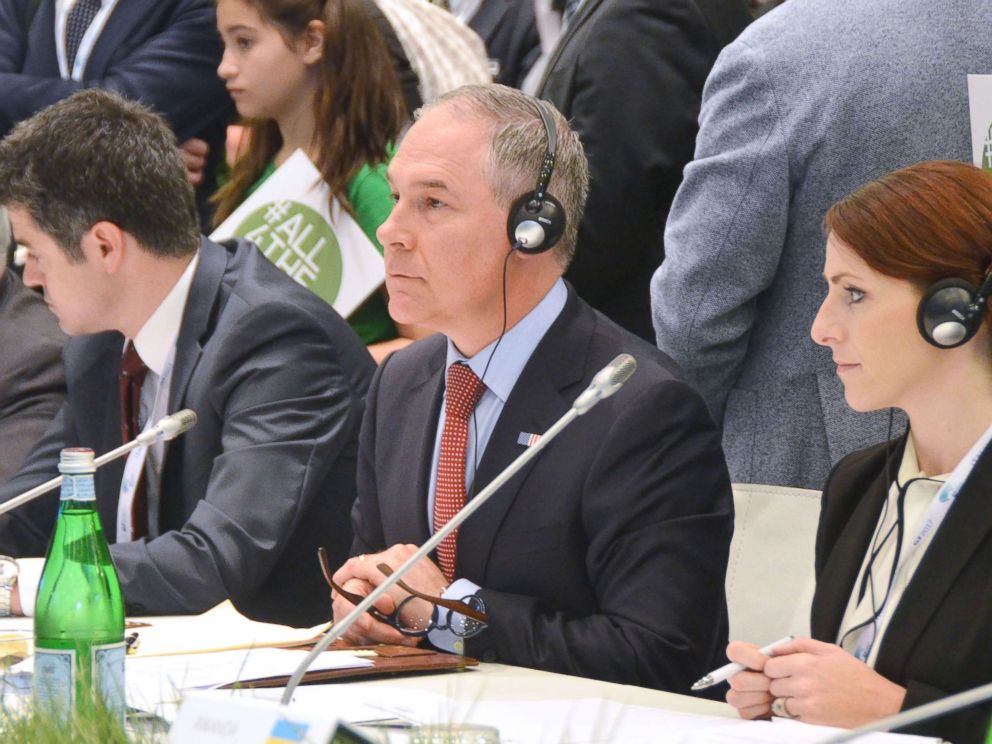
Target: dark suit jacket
{"points": [[605, 557], [509, 31], [277, 380], [628, 75], [163, 53], [32, 383], [937, 642]]}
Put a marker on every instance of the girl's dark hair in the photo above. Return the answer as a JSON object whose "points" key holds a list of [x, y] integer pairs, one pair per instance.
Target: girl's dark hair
{"points": [[359, 108]]}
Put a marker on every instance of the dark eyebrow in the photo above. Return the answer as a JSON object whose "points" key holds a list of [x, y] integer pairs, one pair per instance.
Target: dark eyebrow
{"points": [[837, 277]]}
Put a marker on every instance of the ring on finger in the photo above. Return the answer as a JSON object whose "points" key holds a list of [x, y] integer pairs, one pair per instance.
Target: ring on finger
{"points": [[780, 708]]}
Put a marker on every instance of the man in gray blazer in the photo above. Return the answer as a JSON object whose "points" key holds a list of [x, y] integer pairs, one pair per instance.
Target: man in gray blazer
{"points": [[809, 103], [237, 507]]}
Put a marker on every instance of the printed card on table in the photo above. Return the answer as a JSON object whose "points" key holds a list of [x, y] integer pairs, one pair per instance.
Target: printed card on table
{"points": [[980, 105], [292, 220]]}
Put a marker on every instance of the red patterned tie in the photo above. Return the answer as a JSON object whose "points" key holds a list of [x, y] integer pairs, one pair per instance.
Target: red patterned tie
{"points": [[132, 377], [462, 393]]}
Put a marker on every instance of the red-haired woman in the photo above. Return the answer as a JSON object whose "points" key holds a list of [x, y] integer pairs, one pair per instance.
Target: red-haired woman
{"points": [[903, 607]]}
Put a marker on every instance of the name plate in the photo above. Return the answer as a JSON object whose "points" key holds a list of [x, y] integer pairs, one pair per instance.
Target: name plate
{"points": [[209, 720]]}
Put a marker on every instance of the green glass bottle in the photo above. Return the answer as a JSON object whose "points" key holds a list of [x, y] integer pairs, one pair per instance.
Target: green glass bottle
{"points": [[79, 612]]}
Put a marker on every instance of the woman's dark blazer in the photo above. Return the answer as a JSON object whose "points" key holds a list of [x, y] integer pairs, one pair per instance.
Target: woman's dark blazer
{"points": [[939, 639]]}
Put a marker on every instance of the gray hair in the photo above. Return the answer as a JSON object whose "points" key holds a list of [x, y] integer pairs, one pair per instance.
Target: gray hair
{"points": [[517, 145], [93, 157]]}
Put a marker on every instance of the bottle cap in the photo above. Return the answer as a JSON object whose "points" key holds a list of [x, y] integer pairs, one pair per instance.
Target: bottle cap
{"points": [[76, 461]]}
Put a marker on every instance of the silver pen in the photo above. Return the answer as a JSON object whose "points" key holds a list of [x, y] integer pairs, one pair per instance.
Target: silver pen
{"points": [[729, 670]]}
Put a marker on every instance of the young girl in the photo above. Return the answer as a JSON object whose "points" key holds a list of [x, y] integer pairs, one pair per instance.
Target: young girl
{"points": [[316, 75]]}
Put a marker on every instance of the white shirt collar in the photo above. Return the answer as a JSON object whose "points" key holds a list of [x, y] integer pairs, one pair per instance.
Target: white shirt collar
{"points": [[158, 335]]}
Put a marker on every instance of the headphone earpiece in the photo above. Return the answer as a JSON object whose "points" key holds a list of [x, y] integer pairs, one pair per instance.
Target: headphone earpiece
{"points": [[951, 312], [537, 220], [535, 227]]}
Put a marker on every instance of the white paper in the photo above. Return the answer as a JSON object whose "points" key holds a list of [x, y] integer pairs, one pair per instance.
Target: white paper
{"points": [[156, 684], [317, 243], [980, 107]]}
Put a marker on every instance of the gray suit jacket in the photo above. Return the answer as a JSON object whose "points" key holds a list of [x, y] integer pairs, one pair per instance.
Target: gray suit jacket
{"points": [[32, 383], [277, 380], [813, 100]]}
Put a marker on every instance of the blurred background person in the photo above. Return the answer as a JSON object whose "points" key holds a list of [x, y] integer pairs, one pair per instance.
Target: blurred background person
{"points": [[159, 52], [32, 381], [317, 77], [629, 75], [812, 101], [903, 606]]}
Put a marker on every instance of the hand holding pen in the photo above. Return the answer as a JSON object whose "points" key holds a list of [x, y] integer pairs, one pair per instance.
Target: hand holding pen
{"points": [[729, 670]]}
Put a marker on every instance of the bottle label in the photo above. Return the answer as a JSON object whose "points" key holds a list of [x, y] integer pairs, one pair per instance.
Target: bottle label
{"points": [[108, 675], [54, 678], [78, 488]]}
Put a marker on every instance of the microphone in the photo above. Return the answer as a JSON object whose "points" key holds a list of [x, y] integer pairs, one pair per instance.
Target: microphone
{"points": [[606, 382], [920, 713], [166, 428]]}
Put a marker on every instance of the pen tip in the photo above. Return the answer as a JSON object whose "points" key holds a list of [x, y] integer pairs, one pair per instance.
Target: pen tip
{"points": [[702, 684]]}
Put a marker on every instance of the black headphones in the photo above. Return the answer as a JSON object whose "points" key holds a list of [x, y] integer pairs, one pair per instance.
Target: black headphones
{"points": [[951, 311], [537, 220]]}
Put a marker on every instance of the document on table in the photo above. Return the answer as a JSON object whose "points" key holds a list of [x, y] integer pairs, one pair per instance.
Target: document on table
{"points": [[219, 629], [577, 721], [157, 681]]}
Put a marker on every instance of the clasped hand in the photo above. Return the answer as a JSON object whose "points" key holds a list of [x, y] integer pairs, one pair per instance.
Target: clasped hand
{"points": [[820, 682], [359, 575]]}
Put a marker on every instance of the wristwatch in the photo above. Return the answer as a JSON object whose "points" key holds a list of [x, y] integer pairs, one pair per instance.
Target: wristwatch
{"points": [[8, 580]]}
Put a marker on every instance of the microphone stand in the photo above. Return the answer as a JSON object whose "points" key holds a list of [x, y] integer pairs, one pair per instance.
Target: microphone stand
{"points": [[611, 378], [168, 427], [920, 713]]}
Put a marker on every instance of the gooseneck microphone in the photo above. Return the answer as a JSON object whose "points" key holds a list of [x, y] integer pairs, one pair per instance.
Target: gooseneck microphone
{"points": [[166, 428], [606, 382], [920, 713]]}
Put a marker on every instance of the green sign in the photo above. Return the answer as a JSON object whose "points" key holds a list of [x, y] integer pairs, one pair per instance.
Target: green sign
{"points": [[300, 242]]}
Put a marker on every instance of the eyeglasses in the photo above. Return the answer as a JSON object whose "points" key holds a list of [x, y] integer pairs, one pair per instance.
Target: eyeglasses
{"points": [[464, 618]]}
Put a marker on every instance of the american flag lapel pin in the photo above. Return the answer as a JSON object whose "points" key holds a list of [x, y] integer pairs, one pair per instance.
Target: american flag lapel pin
{"points": [[528, 440]]}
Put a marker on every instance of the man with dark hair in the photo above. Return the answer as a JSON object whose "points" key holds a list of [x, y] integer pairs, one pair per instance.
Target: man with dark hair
{"points": [[606, 556], [163, 53], [162, 320]]}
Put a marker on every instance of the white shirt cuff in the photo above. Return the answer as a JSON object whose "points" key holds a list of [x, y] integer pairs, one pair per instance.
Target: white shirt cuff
{"points": [[445, 639]]}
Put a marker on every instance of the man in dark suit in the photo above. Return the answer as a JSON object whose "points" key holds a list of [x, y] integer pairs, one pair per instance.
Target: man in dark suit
{"points": [[163, 53], [628, 75], [32, 382], [606, 556], [237, 507]]}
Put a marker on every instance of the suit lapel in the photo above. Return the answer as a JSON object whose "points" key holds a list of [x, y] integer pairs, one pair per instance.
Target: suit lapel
{"points": [[585, 12], [196, 319], [836, 580], [963, 530], [423, 407], [120, 26], [536, 402]]}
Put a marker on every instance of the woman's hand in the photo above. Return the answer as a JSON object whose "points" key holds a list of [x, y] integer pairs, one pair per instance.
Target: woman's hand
{"points": [[749, 689], [815, 682]]}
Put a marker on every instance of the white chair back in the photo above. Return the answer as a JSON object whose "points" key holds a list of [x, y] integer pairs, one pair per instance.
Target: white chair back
{"points": [[770, 572]]}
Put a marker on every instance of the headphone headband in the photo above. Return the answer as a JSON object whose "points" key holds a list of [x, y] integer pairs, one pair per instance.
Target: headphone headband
{"points": [[548, 164], [537, 220]]}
